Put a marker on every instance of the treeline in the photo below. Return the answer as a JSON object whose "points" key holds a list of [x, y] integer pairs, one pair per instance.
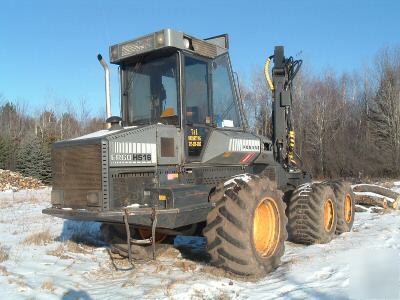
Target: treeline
{"points": [[347, 125], [25, 139]]}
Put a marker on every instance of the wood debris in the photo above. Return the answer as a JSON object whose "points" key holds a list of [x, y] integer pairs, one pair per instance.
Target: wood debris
{"points": [[375, 198], [10, 180]]}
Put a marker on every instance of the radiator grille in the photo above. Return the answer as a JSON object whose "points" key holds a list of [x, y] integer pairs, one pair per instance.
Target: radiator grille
{"points": [[128, 188], [138, 46], [270, 173], [77, 169], [204, 48]]}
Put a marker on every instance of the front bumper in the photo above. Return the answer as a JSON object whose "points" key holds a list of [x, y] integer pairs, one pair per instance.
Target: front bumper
{"points": [[166, 218]]}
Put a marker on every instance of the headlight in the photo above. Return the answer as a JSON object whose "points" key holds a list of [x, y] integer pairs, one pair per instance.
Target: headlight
{"points": [[186, 43], [57, 197], [93, 198], [114, 52], [160, 40]]}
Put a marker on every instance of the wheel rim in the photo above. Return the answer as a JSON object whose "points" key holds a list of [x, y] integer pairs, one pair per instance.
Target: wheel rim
{"points": [[146, 233], [266, 229], [348, 213], [328, 215]]}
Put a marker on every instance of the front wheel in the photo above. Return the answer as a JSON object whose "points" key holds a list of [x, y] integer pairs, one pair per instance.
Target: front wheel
{"points": [[246, 229]]}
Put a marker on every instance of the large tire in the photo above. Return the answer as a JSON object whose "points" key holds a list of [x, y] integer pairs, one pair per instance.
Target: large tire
{"points": [[115, 236], [345, 199], [246, 229], [312, 214], [112, 233]]}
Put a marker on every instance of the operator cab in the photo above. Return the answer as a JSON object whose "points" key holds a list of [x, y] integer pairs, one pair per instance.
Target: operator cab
{"points": [[171, 78]]}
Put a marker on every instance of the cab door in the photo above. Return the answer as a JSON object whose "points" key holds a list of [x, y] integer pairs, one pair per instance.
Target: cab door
{"points": [[197, 106]]}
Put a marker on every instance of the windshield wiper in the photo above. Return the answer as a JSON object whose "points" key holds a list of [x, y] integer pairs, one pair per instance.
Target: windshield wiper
{"points": [[133, 72], [227, 110]]}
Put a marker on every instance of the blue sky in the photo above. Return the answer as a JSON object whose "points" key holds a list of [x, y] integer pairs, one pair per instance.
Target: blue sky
{"points": [[48, 48]]}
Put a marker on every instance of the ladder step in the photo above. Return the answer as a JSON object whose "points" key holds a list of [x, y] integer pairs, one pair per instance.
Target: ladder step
{"points": [[141, 242]]}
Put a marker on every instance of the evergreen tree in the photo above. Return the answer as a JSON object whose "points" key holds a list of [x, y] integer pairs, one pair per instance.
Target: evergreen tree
{"points": [[5, 153], [33, 160], [45, 170]]}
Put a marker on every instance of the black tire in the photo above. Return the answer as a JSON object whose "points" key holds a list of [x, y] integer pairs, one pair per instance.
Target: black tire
{"points": [[236, 220], [307, 206], [345, 199], [113, 233], [115, 236]]}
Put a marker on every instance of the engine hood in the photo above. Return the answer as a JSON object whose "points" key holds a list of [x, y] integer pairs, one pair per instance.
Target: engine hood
{"points": [[132, 146]]}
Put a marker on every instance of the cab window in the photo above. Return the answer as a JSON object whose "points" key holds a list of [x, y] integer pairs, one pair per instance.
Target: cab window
{"points": [[196, 91], [224, 100]]}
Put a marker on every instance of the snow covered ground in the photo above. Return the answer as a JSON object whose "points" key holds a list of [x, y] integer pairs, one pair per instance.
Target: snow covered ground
{"points": [[43, 257]]}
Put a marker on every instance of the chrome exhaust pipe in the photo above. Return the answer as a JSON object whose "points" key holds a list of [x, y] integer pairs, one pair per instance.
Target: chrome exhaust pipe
{"points": [[107, 82]]}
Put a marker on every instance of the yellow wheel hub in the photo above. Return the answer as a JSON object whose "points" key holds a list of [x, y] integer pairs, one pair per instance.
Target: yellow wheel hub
{"points": [[329, 215], [266, 229], [348, 214]]}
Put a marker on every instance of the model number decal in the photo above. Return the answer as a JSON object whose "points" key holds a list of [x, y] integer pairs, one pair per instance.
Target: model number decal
{"points": [[128, 153], [130, 157]]}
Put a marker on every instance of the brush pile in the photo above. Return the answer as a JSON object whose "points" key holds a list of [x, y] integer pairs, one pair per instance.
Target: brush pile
{"points": [[10, 180]]}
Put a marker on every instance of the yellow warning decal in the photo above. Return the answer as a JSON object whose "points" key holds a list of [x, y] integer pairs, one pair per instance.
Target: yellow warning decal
{"points": [[194, 139]]}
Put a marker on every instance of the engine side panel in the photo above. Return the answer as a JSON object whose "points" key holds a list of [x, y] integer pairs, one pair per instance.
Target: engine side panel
{"points": [[133, 147], [229, 147]]}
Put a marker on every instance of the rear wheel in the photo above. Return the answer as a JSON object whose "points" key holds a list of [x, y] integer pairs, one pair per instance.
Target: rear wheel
{"points": [[112, 233], [345, 205], [312, 216], [117, 232], [246, 230], [145, 233], [115, 236]]}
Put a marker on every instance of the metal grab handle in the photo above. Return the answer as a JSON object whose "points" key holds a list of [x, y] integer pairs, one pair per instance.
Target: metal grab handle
{"points": [[128, 235], [153, 232], [151, 240]]}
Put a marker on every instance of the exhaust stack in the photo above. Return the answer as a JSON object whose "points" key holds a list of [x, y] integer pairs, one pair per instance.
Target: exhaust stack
{"points": [[107, 83]]}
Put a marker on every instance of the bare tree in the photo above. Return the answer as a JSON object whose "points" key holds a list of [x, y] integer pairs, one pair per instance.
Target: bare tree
{"points": [[385, 108]]}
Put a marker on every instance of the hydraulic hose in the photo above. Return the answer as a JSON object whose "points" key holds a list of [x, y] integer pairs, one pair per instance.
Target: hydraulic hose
{"points": [[291, 67], [266, 71]]}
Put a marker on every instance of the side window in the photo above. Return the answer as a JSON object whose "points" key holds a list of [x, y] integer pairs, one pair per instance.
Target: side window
{"points": [[196, 91], [141, 85], [170, 108], [224, 100]]}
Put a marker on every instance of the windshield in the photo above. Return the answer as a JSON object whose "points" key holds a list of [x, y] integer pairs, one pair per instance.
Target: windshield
{"points": [[151, 92]]}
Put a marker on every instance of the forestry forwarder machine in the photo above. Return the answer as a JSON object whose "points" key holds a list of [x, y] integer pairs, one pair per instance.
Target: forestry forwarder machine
{"points": [[181, 160]]}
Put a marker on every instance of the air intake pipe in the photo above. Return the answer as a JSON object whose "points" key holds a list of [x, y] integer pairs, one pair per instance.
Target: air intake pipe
{"points": [[107, 82]]}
